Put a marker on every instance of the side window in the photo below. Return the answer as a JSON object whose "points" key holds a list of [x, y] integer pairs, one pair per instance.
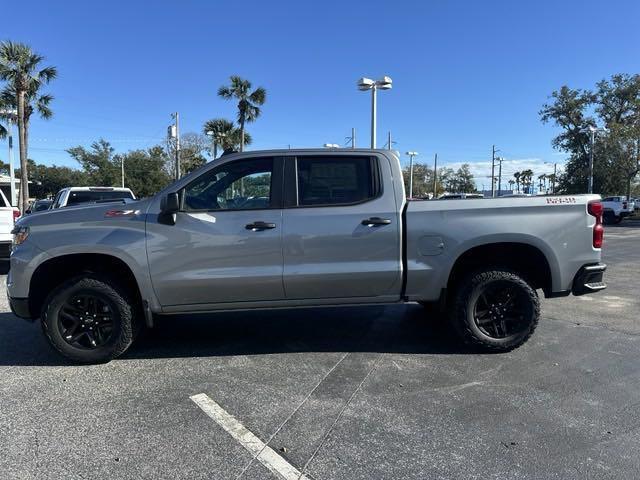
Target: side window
{"points": [[336, 180], [241, 185]]}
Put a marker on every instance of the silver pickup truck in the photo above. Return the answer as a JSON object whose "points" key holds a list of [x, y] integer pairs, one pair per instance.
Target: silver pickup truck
{"points": [[298, 228]]}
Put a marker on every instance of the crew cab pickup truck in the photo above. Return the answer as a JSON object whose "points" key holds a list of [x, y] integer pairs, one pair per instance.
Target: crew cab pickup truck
{"points": [[616, 208], [70, 196], [298, 228]]}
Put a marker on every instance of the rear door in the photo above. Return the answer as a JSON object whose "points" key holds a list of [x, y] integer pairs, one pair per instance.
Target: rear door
{"points": [[341, 229]]}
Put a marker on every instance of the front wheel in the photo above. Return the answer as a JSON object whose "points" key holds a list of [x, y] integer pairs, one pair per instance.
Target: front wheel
{"points": [[495, 310], [88, 319]]}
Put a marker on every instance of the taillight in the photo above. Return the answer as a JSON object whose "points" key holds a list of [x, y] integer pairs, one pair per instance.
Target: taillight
{"points": [[16, 214], [597, 210]]}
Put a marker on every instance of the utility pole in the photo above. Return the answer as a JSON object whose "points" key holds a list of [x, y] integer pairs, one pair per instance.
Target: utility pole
{"points": [[435, 175], [353, 137], [493, 169], [10, 114], [411, 155], [122, 169], [500, 159], [389, 139]]}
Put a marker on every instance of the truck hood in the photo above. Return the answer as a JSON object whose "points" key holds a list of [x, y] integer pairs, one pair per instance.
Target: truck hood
{"points": [[83, 213]]}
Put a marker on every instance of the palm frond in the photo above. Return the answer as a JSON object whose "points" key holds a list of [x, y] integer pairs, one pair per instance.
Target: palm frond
{"points": [[259, 96]]}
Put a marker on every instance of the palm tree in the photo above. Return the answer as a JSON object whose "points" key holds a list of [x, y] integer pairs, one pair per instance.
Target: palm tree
{"points": [[248, 102], [552, 180], [511, 184], [20, 67], [225, 134], [517, 175], [33, 103], [542, 181], [218, 129], [526, 177]]}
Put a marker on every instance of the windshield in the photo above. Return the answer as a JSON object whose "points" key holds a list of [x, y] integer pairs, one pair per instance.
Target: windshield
{"points": [[88, 196]]}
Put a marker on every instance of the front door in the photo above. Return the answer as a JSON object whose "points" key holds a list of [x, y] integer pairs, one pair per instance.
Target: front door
{"points": [[226, 244], [341, 231]]}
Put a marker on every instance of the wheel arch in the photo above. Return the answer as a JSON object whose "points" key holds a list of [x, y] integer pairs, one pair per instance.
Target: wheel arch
{"points": [[524, 258], [56, 270]]}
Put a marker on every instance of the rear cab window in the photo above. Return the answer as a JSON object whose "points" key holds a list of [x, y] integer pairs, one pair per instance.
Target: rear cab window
{"points": [[87, 196], [339, 180]]}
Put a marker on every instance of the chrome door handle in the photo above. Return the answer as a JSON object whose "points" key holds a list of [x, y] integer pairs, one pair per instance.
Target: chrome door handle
{"points": [[259, 226]]}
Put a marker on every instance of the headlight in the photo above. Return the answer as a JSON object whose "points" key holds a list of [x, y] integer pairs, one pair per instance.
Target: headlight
{"points": [[20, 234]]}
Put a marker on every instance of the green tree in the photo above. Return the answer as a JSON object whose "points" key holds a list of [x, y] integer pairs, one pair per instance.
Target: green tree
{"points": [[249, 102], [464, 178], [20, 68], [144, 171], [98, 163], [614, 104]]}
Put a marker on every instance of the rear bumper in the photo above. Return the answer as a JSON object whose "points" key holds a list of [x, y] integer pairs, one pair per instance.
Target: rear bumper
{"points": [[20, 307], [589, 279]]}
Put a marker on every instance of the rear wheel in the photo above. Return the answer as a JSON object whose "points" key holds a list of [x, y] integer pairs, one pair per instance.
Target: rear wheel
{"points": [[88, 319], [495, 309]]}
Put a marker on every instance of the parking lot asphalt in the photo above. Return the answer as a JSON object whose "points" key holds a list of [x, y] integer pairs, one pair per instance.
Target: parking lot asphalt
{"points": [[339, 393]]}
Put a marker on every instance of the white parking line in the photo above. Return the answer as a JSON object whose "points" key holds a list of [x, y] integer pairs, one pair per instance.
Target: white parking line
{"points": [[261, 451]]}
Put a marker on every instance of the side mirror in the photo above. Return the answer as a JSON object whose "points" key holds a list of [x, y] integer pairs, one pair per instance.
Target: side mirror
{"points": [[170, 203], [169, 206]]}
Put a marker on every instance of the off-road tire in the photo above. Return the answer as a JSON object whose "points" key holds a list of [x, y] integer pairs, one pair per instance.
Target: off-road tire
{"points": [[125, 325], [468, 292]]}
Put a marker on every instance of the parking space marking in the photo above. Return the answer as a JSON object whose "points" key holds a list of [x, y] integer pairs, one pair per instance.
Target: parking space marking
{"points": [[261, 451]]}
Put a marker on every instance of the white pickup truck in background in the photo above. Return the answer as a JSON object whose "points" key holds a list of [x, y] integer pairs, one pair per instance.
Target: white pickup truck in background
{"points": [[616, 208], [8, 216]]}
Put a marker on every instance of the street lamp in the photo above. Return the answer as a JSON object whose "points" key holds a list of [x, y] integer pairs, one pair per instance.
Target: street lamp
{"points": [[374, 85], [411, 155], [591, 130], [10, 115]]}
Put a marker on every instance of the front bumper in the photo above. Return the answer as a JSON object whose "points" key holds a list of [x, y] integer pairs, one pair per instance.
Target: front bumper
{"points": [[589, 279]]}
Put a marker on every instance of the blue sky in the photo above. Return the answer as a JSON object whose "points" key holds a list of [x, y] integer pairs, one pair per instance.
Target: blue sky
{"points": [[467, 74]]}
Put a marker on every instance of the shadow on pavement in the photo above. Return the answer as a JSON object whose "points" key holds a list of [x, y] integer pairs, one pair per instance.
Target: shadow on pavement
{"points": [[392, 329]]}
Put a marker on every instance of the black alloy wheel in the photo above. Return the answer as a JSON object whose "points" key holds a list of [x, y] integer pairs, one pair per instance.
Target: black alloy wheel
{"points": [[86, 321]]}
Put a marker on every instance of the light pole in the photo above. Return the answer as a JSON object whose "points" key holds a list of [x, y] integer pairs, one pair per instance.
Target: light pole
{"points": [[10, 114], [367, 84], [411, 155], [591, 130], [555, 172]]}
